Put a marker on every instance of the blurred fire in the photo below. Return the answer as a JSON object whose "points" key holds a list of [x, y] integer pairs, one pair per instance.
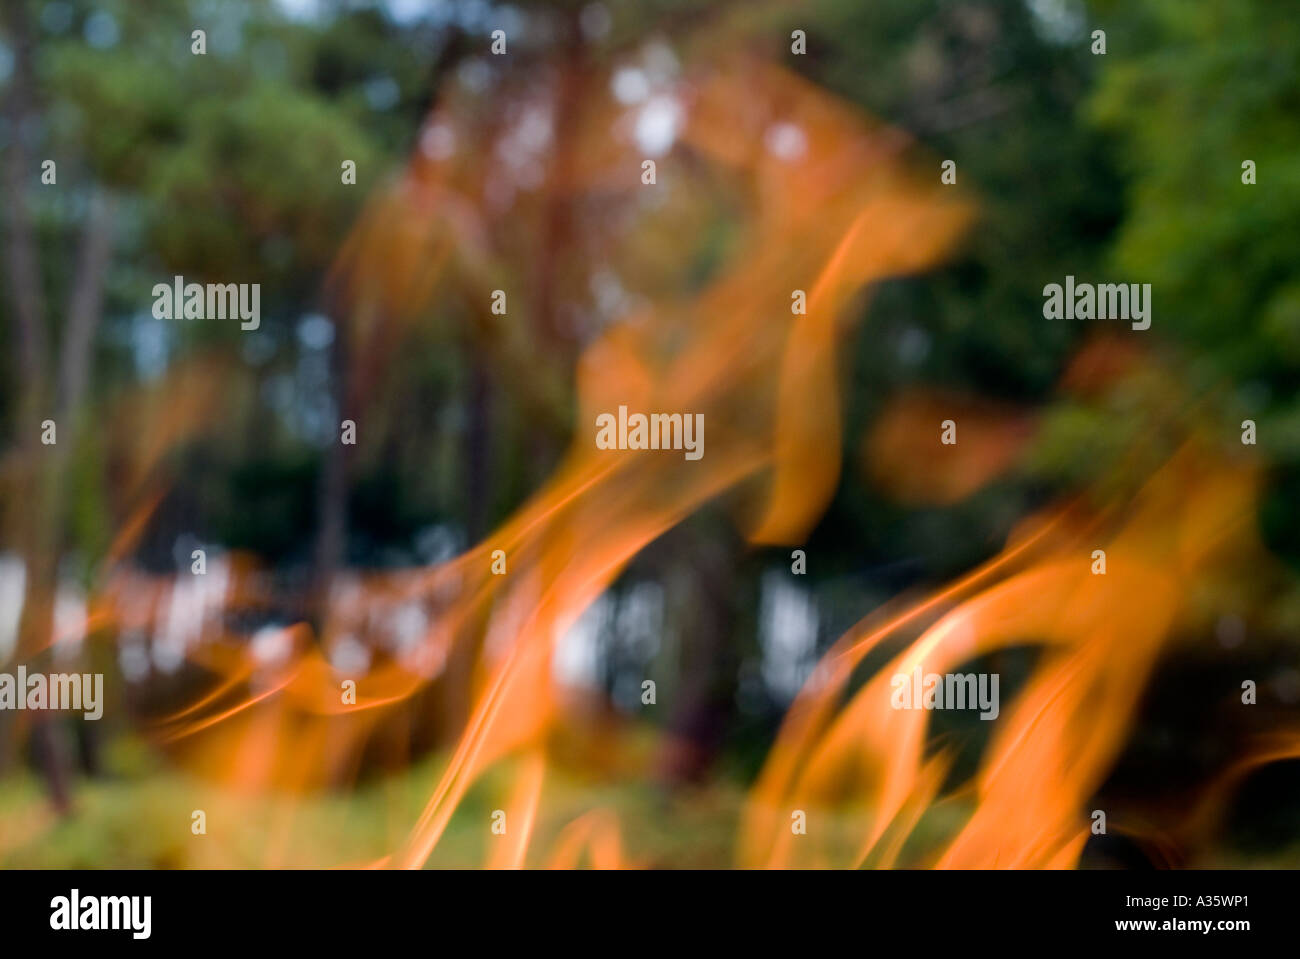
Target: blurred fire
{"points": [[1100, 635], [903, 457], [834, 204]]}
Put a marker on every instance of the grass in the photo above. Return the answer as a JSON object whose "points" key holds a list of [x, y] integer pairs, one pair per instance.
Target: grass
{"points": [[139, 815]]}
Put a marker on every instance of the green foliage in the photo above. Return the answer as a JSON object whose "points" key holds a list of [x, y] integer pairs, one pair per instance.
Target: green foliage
{"points": [[1195, 90]]}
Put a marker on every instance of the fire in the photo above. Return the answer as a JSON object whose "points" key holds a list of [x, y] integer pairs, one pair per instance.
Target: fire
{"points": [[856, 217], [1100, 633], [833, 213], [833, 203]]}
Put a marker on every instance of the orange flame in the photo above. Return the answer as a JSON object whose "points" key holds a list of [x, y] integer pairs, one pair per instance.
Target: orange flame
{"points": [[832, 208], [1100, 633]]}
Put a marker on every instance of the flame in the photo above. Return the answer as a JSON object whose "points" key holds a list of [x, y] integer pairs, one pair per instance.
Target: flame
{"points": [[1100, 635], [901, 457], [597, 831], [834, 209], [716, 356], [835, 206]]}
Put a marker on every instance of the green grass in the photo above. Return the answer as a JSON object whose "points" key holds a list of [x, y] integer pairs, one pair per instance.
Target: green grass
{"points": [[139, 816]]}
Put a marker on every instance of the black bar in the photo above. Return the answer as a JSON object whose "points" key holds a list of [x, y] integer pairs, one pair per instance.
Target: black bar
{"points": [[453, 911]]}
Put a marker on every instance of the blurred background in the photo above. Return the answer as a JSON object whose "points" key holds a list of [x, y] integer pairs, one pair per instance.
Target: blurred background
{"points": [[522, 172]]}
